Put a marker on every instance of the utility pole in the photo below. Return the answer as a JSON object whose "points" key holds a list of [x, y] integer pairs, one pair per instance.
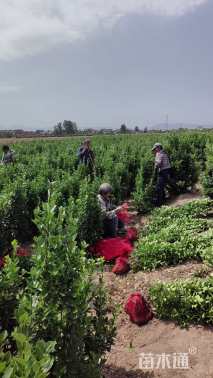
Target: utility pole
{"points": [[167, 122]]}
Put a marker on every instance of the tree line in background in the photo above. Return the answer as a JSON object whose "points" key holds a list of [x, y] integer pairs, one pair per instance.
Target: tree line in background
{"points": [[70, 128]]}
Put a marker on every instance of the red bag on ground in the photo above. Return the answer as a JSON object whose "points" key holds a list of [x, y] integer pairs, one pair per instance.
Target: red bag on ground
{"points": [[138, 309], [121, 265], [109, 249], [132, 234]]}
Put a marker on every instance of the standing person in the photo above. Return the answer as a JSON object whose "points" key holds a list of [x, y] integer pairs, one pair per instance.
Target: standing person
{"points": [[86, 155], [110, 220], [8, 155], [163, 170]]}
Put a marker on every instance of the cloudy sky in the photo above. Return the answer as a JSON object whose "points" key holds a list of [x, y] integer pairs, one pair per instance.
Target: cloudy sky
{"points": [[105, 62]]}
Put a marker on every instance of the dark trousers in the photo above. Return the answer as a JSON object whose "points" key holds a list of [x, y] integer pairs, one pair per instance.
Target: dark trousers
{"points": [[164, 178], [111, 226]]}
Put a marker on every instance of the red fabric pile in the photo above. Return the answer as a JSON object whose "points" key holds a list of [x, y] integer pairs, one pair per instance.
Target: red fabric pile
{"points": [[138, 309], [111, 248], [118, 248], [121, 265], [132, 234]]}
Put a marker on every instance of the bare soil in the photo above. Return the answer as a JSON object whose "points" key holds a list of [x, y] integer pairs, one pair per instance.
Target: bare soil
{"points": [[157, 336]]}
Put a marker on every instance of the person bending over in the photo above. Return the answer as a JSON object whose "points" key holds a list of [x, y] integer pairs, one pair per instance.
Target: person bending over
{"points": [[111, 223]]}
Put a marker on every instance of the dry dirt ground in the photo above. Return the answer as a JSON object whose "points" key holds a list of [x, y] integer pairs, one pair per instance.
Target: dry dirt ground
{"points": [[157, 337]]}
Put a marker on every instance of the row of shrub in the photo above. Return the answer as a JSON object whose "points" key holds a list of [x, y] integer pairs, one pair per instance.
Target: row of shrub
{"points": [[185, 302], [207, 177], [125, 162], [54, 313], [175, 235]]}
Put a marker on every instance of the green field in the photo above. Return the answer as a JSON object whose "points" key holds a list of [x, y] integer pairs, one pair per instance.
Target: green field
{"points": [[54, 313]]}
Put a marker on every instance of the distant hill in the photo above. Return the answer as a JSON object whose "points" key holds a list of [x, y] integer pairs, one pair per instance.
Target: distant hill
{"points": [[171, 126]]}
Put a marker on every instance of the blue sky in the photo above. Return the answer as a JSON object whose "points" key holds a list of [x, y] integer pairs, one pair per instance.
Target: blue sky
{"points": [[104, 63]]}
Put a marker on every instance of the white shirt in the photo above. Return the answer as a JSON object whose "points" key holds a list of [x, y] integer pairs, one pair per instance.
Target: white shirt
{"points": [[162, 161]]}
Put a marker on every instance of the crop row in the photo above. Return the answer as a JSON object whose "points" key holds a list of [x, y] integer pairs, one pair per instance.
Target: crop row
{"points": [[54, 313], [175, 235], [124, 161]]}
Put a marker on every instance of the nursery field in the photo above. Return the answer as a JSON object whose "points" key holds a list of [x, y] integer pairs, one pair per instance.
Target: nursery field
{"points": [[61, 308]]}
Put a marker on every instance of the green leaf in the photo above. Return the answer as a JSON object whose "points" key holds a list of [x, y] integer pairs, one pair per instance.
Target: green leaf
{"points": [[8, 373]]}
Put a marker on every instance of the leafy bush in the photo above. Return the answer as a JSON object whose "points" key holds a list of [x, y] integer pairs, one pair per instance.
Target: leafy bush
{"points": [[207, 254], [184, 166], [15, 217], [11, 284], [207, 178], [65, 300], [186, 302], [88, 213], [30, 360], [145, 185]]}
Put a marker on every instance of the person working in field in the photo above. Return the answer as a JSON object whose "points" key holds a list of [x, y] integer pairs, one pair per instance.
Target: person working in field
{"points": [[111, 223], [8, 155], [86, 155], [163, 171]]}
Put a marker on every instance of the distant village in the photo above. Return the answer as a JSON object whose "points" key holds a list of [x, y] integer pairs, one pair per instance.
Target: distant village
{"points": [[70, 128]]}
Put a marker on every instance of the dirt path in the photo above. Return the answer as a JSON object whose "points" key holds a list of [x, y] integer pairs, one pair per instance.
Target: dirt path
{"points": [[157, 337], [184, 198]]}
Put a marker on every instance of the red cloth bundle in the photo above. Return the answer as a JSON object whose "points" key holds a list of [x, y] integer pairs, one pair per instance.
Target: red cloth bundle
{"points": [[118, 248], [132, 234], [123, 215], [109, 249], [121, 265], [138, 309], [2, 262], [23, 251]]}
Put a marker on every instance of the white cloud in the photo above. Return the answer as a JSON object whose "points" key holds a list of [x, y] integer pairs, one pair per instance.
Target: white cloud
{"points": [[7, 89], [30, 26]]}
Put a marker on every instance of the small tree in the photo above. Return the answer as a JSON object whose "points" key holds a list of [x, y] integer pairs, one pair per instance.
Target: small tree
{"points": [[123, 129], [70, 127], [66, 298], [58, 131]]}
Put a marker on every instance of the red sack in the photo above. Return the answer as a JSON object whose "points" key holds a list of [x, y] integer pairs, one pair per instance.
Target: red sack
{"points": [[138, 309], [109, 249], [121, 265], [132, 234], [2, 262], [23, 251]]}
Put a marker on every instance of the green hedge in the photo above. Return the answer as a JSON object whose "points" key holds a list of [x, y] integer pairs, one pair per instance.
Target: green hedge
{"points": [[174, 235], [186, 302]]}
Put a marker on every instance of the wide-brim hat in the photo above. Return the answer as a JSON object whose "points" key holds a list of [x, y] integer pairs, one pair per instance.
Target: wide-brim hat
{"points": [[156, 145]]}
